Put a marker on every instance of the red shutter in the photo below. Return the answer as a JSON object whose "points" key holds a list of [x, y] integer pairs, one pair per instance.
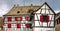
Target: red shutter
{"points": [[47, 19], [9, 18], [16, 18], [27, 25], [20, 18], [27, 18], [18, 25], [41, 18], [9, 25]]}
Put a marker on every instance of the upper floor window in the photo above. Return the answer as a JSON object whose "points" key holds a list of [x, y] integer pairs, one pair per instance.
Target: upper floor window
{"points": [[44, 18], [18, 18], [9, 18]]}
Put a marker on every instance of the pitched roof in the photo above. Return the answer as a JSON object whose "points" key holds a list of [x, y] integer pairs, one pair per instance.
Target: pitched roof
{"points": [[23, 10], [17, 10]]}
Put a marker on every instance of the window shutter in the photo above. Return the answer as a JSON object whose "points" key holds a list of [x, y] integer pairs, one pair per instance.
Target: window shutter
{"points": [[20, 18], [9, 18], [27, 18], [47, 19], [16, 18], [27, 25], [41, 18], [9, 25], [18, 25]]}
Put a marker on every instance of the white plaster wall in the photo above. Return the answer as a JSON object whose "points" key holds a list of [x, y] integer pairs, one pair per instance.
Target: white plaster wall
{"points": [[50, 23], [43, 10], [38, 23], [44, 29]]}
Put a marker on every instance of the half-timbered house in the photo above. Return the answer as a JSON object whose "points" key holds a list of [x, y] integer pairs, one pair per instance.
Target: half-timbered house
{"points": [[44, 19], [30, 18]]}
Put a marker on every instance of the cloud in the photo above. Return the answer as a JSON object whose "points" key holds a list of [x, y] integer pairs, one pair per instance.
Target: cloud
{"points": [[2, 12], [56, 11], [3, 9]]}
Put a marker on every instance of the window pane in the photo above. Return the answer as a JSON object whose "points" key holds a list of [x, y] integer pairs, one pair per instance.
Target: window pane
{"points": [[18, 18]]}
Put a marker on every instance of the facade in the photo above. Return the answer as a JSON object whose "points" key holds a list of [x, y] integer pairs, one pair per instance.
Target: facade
{"points": [[30, 18], [57, 22], [57, 19], [44, 19]]}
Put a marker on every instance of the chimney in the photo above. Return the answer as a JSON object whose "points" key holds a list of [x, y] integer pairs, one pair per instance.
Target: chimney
{"points": [[31, 4], [17, 4]]}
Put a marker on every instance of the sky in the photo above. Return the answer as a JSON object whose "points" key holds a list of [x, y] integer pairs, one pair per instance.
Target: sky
{"points": [[6, 5]]}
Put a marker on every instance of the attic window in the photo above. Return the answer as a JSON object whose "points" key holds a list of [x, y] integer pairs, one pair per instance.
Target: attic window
{"points": [[18, 11], [30, 10]]}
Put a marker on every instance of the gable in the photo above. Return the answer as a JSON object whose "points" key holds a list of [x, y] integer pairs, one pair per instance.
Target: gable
{"points": [[45, 9]]}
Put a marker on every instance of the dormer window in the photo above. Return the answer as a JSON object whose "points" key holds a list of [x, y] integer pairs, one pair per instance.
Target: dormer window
{"points": [[30, 11]]}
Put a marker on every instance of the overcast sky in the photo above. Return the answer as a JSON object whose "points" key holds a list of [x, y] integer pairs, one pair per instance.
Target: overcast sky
{"points": [[6, 5]]}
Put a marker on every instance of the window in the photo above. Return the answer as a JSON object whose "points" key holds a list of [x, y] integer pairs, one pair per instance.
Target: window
{"points": [[18, 18], [9, 25], [18, 25], [9, 18], [44, 18], [27, 25]]}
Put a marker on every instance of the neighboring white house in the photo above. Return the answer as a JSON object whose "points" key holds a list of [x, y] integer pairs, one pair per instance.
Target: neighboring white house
{"points": [[30, 18]]}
